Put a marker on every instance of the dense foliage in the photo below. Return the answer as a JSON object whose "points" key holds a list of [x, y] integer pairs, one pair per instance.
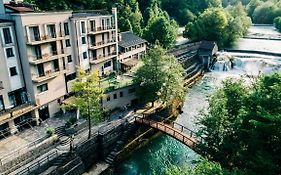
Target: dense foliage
{"points": [[243, 126], [218, 24], [160, 78], [203, 167], [277, 22], [87, 98]]}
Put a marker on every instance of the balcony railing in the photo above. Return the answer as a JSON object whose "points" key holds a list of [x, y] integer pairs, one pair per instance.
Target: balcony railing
{"points": [[1, 85], [33, 59], [49, 74], [102, 58], [33, 40], [102, 44], [100, 29]]}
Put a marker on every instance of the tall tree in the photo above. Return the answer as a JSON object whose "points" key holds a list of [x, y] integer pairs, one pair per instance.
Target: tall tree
{"points": [[87, 98], [160, 77], [242, 128]]}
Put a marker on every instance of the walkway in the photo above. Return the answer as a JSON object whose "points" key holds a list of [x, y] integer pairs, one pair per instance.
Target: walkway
{"points": [[177, 131]]}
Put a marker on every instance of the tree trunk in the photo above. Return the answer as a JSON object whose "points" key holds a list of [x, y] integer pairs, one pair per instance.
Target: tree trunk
{"points": [[89, 120]]}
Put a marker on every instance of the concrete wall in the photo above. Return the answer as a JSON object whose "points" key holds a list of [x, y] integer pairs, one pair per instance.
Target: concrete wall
{"points": [[128, 95]]}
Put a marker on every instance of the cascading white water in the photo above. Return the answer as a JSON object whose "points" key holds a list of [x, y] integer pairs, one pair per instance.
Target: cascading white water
{"points": [[223, 62]]}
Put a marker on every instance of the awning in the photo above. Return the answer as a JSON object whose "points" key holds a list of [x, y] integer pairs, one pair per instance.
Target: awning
{"points": [[131, 62]]}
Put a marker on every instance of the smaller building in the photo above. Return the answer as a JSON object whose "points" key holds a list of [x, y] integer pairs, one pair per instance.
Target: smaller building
{"points": [[131, 49], [206, 52]]}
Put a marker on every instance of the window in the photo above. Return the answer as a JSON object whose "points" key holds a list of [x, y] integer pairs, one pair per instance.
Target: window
{"points": [[52, 31], [67, 43], [83, 27], [13, 71], [56, 65], [107, 64], [70, 77], [2, 107], [108, 98], [42, 88], [93, 25], [66, 28], [36, 33], [83, 40], [69, 59], [132, 90], [10, 52], [7, 35], [85, 56], [115, 96], [121, 94]]}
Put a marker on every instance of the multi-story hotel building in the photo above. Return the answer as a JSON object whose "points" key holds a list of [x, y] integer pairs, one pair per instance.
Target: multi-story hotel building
{"points": [[40, 54]]}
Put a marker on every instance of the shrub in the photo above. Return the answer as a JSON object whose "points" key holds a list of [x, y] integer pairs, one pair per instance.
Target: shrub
{"points": [[51, 130]]}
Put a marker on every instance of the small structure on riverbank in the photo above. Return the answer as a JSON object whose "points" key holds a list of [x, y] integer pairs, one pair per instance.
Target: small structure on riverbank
{"points": [[206, 53]]}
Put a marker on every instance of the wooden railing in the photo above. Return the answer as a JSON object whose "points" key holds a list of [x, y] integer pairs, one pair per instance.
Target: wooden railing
{"points": [[175, 130]]}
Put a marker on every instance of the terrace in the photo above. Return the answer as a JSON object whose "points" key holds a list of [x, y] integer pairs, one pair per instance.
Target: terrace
{"points": [[113, 82]]}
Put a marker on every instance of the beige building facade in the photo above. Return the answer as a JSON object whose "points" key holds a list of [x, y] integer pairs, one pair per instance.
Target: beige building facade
{"points": [[39, 58]]}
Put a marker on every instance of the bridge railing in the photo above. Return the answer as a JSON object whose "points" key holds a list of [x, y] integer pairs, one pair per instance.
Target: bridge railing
{"points": [[176, 130]]}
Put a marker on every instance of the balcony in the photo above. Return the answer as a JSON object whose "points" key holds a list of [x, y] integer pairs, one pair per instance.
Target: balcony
{"points": [[46, 57], [47, 75], [35, 40], [1, 85], [101, 58], [99, 30], [17, 111], [101, 44]]}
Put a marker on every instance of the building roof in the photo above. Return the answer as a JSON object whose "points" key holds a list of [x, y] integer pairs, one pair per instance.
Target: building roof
{"points": [[130, 39], [87, 13], [19, 8], [207, 45]]}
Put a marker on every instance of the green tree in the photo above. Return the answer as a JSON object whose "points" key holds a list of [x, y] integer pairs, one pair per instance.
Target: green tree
{"points": [[210, 25], [242, 128], [87, 98], [203, 167], [160, 78], [277, 22], [160, 28], [221, 25]]}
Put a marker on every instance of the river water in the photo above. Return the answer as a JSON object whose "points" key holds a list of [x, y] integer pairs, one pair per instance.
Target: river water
{"points": [[165, 150]]}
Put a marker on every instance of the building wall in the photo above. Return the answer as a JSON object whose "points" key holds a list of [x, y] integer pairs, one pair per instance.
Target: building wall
{"points": [[129, 94], [9, 83], [127, 55]]}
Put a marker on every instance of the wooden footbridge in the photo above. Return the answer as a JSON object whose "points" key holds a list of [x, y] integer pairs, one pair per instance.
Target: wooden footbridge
{"points": [[175, 130]]}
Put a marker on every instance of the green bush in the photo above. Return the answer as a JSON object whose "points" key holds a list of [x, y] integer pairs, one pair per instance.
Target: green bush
{"points": [[51, 130]]}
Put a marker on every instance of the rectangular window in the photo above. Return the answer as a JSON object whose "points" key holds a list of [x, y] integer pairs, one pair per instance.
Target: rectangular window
{"points": [[42, 88], [2, 107], [70, 77], [115, 96], [83, 40], [66, 28], [93, 25], [69, 59], [13, 71], [56, 65], [108, 98], [52, 31], [67, 43], [132, 90], [10, 52], [107, 64], [121, 94], [7, 35], [83, 27], [36, 33], [85, 56]]}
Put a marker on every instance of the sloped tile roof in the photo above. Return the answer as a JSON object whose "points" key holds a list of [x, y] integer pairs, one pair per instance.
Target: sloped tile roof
{"points": [[130, 39]]}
